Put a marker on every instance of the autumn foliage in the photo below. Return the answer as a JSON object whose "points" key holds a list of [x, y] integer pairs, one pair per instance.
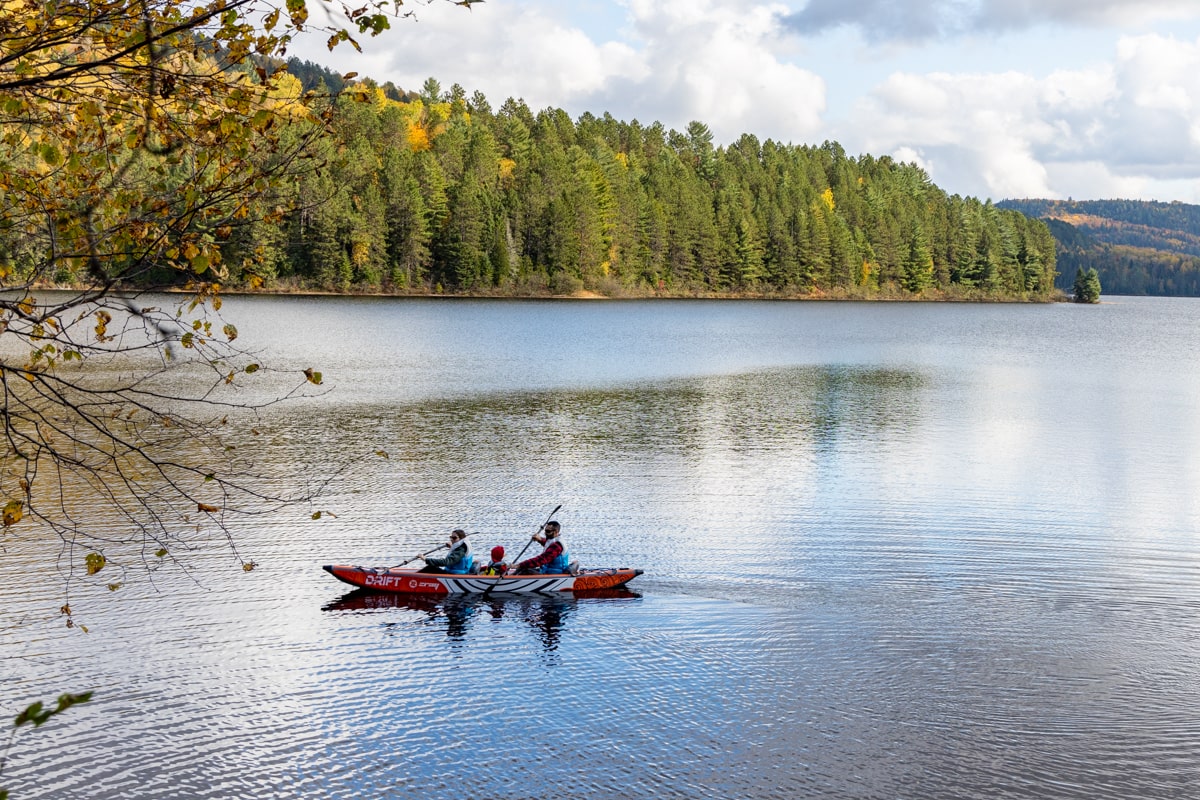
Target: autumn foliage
{"points": [[136, 140]]}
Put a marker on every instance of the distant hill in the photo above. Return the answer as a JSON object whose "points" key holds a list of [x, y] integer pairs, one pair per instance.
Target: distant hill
{"points": [[1137, 247]]}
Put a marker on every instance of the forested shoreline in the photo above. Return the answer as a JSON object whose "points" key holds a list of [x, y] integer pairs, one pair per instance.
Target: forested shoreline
{"points": [[439, 194], [436, 193]]}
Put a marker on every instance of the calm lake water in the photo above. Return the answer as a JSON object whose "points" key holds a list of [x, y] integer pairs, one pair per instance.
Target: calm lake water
{"points": [[891, 551]]}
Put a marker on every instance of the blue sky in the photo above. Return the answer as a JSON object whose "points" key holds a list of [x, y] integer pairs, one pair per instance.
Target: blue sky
{"points": [[995, 98]]}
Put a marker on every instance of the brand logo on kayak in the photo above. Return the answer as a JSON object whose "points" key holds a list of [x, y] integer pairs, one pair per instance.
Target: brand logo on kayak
{"points": [[382, 581], [416, 584]]}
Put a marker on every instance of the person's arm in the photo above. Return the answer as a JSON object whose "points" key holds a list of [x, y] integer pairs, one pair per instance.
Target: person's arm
{"points": [[552, 551], [455, 555]]}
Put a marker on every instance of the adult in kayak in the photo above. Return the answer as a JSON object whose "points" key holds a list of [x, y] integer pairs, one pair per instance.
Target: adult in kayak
{"points": [[458, 561], [554, 557]]}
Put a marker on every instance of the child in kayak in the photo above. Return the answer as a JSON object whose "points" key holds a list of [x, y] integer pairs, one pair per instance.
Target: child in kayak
{"points": [[497, 565]]}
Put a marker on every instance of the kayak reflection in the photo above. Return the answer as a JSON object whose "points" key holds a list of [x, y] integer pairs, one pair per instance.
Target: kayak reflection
{"points": [[546, 614]]}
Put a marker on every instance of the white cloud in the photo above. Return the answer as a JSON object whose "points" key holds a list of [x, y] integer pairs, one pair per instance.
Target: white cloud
{"points": [[1117, 115], [920, 20], [1130, 128], [717, 61], [713, 60], [502, 49]]}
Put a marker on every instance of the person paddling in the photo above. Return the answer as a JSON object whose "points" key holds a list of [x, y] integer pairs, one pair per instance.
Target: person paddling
{"points": [[553, 559], [457, 562]]}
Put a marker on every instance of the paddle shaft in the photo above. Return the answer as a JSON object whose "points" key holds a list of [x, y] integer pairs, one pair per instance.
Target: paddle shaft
{"points": [[488, 590], [427, 552]]}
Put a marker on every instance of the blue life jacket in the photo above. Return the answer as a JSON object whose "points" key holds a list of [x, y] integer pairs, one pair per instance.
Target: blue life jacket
{"points": [[559, 565], [463, 566]]}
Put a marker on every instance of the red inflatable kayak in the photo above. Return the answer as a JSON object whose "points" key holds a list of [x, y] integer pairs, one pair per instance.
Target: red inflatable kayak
{"points": [[385, 579]]}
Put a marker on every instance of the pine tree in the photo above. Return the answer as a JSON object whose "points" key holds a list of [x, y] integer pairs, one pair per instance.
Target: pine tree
{"points": [[1087, 286]]}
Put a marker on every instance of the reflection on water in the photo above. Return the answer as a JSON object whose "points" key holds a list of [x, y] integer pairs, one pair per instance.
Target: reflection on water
{"points": [[544, 614], [923, 551]]}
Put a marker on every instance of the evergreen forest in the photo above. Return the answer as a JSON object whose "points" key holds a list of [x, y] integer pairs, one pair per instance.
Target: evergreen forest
{"points": [[435, 192]]}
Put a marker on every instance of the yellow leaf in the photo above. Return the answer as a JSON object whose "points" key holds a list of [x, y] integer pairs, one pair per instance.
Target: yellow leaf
{"points": [[230, 332], [313, 377], [207, 508], [102, 320], [248, 566], [381, 453], [13, 511]]}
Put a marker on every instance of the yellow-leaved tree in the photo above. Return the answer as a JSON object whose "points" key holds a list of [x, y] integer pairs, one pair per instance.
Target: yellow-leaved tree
{"points": [[135, 137]]}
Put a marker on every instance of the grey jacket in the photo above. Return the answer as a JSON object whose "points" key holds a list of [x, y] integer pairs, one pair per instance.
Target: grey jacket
{"points": [[456, 554]]}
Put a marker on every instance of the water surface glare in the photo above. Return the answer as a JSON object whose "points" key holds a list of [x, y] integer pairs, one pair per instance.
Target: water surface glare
{"points": [[891, 551]]}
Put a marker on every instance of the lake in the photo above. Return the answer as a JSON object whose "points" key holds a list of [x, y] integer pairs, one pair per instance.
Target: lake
{"points": [[890, 551]]}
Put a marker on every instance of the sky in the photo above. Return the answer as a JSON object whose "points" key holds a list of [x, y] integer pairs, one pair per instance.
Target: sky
{"points": [[1082, 99]]}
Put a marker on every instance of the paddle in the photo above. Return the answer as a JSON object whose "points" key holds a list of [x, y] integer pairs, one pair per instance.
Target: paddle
{"points": [[488, 590], [427, 552]]}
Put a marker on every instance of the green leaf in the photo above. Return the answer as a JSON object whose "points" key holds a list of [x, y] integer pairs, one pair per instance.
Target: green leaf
{"points": [[160, 552], [37, 713], [51, 155], [32, 713], [95, 562], [251, 369]]}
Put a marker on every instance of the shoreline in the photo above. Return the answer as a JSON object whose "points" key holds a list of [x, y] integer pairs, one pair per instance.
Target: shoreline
{"points": [[934, 296]]}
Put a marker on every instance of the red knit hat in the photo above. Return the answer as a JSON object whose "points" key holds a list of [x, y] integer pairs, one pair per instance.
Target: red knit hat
{"points": [[497, 553]]}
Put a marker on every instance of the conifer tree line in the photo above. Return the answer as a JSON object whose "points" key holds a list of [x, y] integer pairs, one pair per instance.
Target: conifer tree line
{"points": [[438, 192]]}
